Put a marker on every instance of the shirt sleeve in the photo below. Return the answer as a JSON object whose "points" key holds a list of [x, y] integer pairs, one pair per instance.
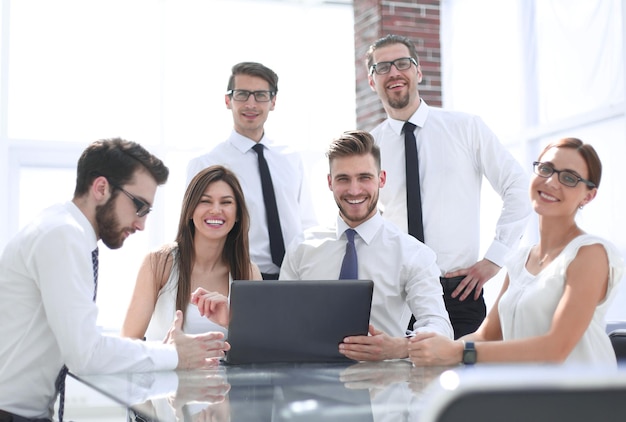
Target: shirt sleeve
{"points": [[194, 167], [288, 270], [307, 208], [62, 263], [510, 181], [425, 294]]}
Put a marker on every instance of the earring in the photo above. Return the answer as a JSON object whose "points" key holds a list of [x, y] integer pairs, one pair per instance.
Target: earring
{"points": [[580, 207]]}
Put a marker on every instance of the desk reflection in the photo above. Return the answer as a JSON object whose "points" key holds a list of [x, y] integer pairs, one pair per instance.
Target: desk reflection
{"points": [[359, 392]]}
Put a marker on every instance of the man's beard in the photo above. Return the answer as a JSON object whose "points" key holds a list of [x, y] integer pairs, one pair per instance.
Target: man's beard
{"points": [[108, 225], [359, 219], [399, 103]]}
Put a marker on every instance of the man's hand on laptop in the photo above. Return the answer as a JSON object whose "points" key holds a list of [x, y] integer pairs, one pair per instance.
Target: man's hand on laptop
{"points": [[212, 305], [375, 346], [198, 351]]}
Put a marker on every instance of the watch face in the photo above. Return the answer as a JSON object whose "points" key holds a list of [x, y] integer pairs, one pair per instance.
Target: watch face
{"points": [[469, 356], [469, 353]]}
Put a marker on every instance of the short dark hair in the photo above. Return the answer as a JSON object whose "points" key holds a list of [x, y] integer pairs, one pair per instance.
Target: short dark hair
{"points": [[117, 160], [254, 69], [586, 151], [390, 40], [354, 142]]}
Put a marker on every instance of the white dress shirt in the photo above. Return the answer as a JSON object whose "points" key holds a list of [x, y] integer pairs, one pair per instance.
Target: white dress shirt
{"points": [[293, 197], [455, 151], [404, 272], [49, 317]]}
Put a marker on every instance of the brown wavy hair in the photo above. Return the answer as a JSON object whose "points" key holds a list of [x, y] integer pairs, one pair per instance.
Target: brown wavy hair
{"points": [[236, 252]]}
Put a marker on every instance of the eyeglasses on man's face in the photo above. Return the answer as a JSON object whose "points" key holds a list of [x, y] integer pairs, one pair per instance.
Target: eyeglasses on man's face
{"points": [[402, 63], [143, 208], [243, 95], [566, 177]]}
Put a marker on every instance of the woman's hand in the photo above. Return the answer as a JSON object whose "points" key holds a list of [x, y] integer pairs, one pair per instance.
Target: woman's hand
{"points": [[430, 349], [212, 305]]}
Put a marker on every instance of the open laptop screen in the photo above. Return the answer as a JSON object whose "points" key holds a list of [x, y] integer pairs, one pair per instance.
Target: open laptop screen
{"points": [[295, 320]]}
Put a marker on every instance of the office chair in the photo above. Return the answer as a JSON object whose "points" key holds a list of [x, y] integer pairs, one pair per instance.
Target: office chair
{"points": [[522, 393], [618, 340]]}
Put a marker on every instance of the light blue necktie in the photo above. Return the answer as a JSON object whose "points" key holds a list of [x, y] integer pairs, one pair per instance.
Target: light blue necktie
{"points": [[60, 381], [350, 264]]}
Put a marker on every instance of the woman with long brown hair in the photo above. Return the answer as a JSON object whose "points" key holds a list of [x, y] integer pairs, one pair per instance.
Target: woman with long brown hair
{"points": [[211, 250]]}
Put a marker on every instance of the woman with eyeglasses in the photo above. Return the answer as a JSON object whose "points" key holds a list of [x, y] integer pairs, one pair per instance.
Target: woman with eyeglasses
{"points": [[556, 293], [211, 250]]}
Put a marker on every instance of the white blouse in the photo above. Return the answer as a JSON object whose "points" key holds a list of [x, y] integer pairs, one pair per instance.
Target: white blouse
{"points": [[165, 310], [528, 306]]}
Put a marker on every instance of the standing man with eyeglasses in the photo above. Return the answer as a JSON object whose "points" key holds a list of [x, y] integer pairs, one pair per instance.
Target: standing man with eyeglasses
{"points": [[272, 176], [48, 285], [453, 152]]}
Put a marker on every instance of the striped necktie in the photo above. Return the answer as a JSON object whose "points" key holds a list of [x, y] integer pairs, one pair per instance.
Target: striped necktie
{"points": [[60, 381]]}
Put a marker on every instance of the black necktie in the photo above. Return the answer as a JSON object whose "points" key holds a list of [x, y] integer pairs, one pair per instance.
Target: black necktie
{"points": [[350, 264], [277, 245], [60, 381], [413, 195]]}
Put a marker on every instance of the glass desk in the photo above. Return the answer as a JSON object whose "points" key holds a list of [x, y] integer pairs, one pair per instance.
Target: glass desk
{"points": [[365, 391], [370, 391]]}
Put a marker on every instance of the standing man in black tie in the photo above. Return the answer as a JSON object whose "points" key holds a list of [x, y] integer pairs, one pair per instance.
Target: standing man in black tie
{"points": [[48, 276], [436, 160], [272, 176], [363, 245]]}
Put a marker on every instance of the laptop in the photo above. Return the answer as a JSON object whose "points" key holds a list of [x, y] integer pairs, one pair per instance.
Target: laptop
{"points": [[295, 320]]}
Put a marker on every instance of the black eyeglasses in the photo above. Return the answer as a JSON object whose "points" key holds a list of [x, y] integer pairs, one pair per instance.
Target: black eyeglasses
{"points": [[402, 63], [566, 177], [143, 208], [243, 95]]}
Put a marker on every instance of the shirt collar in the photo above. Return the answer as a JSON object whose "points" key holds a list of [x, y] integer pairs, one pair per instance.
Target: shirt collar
{"points": [[366, 230], [244, 144], [418, 118], [82, 219]]}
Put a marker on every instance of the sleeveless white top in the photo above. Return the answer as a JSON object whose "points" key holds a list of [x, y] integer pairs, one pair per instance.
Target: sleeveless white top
{"points": [[528, 306], [165, 310]]}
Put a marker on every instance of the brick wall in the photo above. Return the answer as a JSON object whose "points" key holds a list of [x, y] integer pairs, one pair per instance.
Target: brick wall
{"points": [[418, 20]]}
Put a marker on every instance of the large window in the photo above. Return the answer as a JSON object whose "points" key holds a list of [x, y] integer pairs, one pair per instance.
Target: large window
{"points": [[541, 71], [155, 72]]}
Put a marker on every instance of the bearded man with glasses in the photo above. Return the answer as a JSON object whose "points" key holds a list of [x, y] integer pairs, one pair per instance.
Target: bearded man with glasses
{"points": [[454, 151], [271, 175], [49, 280]]}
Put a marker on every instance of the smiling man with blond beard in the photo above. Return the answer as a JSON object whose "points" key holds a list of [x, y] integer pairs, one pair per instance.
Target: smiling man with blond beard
{"points": [[404, 271]]}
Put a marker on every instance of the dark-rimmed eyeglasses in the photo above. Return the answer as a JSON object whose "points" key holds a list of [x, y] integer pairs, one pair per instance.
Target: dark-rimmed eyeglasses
{"points": [[402, 63], [243, 95], [566, 177], [143, 208]]}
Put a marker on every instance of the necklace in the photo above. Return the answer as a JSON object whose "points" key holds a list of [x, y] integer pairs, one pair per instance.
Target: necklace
{"points": [[559, 248]]}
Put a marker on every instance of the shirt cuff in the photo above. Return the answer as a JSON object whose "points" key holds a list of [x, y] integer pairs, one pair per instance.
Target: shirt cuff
{"points": [[496, 253], [165, 356]]}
